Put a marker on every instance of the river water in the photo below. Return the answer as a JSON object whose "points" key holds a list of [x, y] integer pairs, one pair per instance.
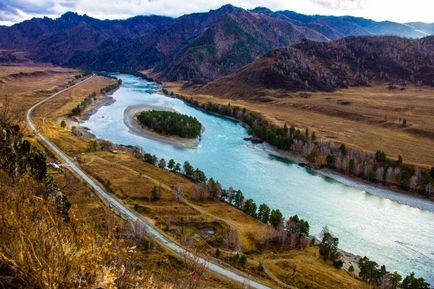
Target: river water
{"points": [[365, 219]]}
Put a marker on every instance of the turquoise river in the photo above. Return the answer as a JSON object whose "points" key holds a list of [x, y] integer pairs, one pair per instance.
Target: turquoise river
{"points": [[390, 228]]}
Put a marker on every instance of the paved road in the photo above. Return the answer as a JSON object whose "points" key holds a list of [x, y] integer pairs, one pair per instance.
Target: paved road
{"points": [[129, 214]]}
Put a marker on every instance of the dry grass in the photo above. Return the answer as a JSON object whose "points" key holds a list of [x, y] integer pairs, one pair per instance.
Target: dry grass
{"points": [[33, 84], [366, 118], [131, 180], [59, 107], [307, 270], [97, 226]]}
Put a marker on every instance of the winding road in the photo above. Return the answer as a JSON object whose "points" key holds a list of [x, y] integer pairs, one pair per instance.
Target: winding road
{"points": [[130, 215]]}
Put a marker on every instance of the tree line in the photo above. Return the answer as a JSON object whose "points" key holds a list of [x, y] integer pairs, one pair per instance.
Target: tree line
{"points": [[143, 76], [92, 97], [377, 167], [292, 232], [171, 123], [375, 274]]}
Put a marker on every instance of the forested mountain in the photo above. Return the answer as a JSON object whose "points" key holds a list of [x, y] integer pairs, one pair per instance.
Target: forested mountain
{"points": [[325, 66], [197, 47], [57, 40]]}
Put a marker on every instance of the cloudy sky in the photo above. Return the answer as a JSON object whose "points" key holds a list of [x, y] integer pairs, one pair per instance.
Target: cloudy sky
{"points": [[13, 11]]}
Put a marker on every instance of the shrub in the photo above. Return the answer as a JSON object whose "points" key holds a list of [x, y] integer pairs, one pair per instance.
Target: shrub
{"points": [[338, 264]]}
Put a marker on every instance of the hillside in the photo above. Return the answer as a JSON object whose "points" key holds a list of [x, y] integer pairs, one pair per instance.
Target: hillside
{"points": [[197, 47], [314, 66]]}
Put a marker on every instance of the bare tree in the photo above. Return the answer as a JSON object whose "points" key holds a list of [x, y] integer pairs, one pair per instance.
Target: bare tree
{"points": [[201, 191], [281, 234], [232, 239], [196, 265], [178, 192], [162, 164], [136, 231], [266, 234]]}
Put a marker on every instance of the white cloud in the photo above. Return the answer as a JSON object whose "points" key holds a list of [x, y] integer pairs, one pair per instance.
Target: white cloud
{"points": [[340, 4], [395, 10]]}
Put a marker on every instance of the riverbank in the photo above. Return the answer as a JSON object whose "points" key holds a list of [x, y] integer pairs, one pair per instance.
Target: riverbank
{"points": [[106, 100], [223, 155], [398, 196], [135, 128], [301, 147]]}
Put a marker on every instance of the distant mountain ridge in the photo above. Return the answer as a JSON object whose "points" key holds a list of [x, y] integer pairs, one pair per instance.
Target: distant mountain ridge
{"points": [[198, 47], [326, 66]]}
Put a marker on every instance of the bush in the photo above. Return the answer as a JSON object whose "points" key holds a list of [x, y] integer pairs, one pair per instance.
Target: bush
{"points": [[380, 156], [243, 260], [338, 264], [155, 194], [144, 245], [331, 160], [151, 159]]}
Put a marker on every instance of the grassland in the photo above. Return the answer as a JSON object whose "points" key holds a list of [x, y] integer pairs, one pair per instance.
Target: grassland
{"points": [[187, 221], [368, 118], [23, 86], [161, 267]]}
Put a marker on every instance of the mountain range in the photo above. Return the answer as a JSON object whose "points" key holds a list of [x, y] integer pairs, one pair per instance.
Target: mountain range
{"points": [[198, 47], [326, 66]]}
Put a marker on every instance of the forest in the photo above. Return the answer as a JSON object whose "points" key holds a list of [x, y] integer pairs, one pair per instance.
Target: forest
{"points": [[170, 123]]}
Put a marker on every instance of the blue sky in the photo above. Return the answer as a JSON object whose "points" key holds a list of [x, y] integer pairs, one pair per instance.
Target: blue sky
{"points": [[12, 11]]}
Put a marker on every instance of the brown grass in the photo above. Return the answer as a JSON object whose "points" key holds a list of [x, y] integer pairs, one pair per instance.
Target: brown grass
{"points": [[33, 84], [307, 270], [59, 107], [366, 118], [131, 180], [97, 227]]}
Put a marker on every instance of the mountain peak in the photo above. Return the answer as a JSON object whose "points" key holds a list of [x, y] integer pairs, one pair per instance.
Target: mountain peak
{"points": [[229, 8], [70, 17], [262, 10]]}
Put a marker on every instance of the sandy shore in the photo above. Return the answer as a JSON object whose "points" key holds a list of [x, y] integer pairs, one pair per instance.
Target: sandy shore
{"points": [[373, 189], [377, 190], [135, 128], [106, 100]]}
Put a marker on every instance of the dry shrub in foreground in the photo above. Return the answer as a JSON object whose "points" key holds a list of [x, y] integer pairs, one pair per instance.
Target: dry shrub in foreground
{"points": [[38, 249]]}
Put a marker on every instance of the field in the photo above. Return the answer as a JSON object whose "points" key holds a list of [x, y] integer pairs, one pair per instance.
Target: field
{"points": [[368, 118], [23, 86], [204, 225]]}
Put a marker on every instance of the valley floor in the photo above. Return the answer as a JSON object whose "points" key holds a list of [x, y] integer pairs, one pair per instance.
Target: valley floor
{"points": [[367, 118], [189, 221]]}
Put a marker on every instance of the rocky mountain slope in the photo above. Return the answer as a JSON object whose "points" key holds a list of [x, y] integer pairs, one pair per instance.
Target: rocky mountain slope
{"points": [[197, 47], [352, 61]]}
